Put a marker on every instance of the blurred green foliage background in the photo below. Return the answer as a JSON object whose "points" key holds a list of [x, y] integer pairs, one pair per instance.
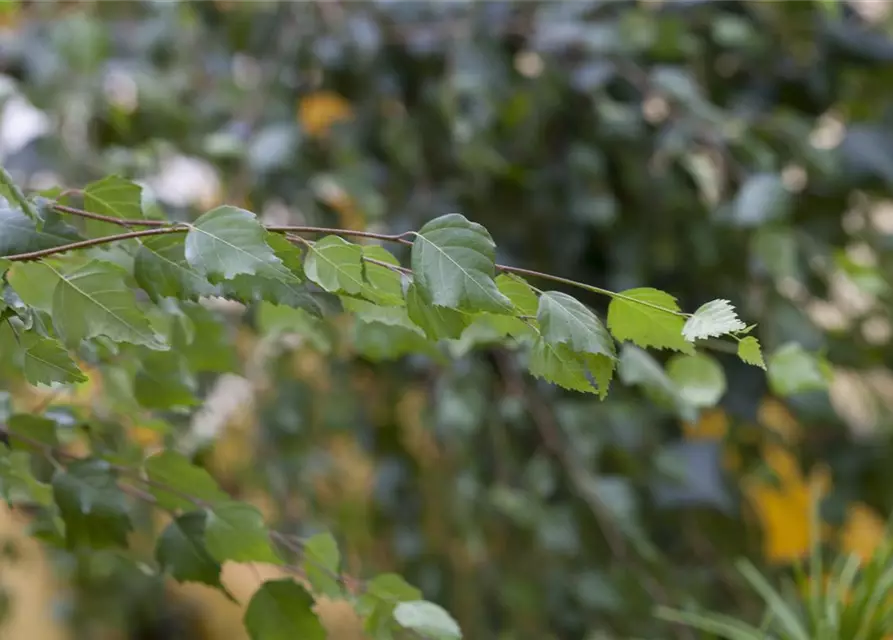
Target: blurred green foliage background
{"points": [[739, 150]]}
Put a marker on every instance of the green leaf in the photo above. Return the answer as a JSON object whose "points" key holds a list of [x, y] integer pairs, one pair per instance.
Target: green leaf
{"points": [[335, 265], [321, 564], [521, 294], [383, 286], [638, 367], [35, 283], [236, 531], [700, 379], [36, 428], [437, 322], [453, 262], [377, 603], [210, 348], [114, 196], [19, 233], [644, 325], [428, 619], [163, 381], [277, 319], [565, 320], [282, 610], [372, 312], [228, 241], [380, 342], [749, 351], [47, 362], [181, 551], [794, 370], [94, 509], [712, 319], [18, 484], [94, 300], [176, 481], [558, 364], [160, 268]]}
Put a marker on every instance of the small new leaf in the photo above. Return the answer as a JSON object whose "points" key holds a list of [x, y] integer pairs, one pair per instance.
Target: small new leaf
{"points": [[454, 263], [335, 265], [428, 619], [713, 319], [282, 610], [228, 241], [321, 564], [236, 531], [645, 325], [750, 352]]}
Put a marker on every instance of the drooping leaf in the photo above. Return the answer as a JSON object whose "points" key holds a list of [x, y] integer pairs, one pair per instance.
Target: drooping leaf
{"points": [[646, 325], [19, 233], [792, 370], [236, 531], [712, 319], [181, 551], [163, 381], [94, 300], [453, 262], [227, 241], [112, 196], [438, 322], [46, 362], [428, 619], [750, 352], [321, 564], [699, 378], [160, 268], [282, 610], [521, 294], [638, 367], [383, 286], [94, 508], [177, 483], [335, 265], [565, 320], [558, 364], [371, 312]]}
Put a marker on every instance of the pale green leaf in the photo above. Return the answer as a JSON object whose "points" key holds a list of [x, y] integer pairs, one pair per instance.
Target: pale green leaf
{"points": [[179, 484], [372, 312], [521, 294], [181, 552], [18, 485], [428, 619], [644, 324], [114, 196], [228, 241], [453, 262], [35, 283], [565, 320], [236, 531], [585, 372], [438, 322], [321, 564], [335, 265], [160, 268], [699, 378], [282, 610], [794, 370], [750, 352], [383, 286], [638, 367], [712, 319], [381, 342], [281, 320], [47, 362], [94, 300]]}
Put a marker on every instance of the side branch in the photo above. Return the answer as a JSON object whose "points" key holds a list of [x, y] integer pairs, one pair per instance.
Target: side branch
{"points": [[86, 244]]}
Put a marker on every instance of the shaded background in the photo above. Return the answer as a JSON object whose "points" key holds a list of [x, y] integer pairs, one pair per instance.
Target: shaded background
{"points": [[738, 150]]}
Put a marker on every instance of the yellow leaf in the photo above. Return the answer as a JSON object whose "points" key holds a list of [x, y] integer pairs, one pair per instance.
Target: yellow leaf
{"points": [[713, 424], [319, 111], [863, 531]]}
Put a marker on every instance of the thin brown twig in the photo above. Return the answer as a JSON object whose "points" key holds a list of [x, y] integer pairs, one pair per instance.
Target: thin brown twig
{"points": [[93, 242], [123, 222]]}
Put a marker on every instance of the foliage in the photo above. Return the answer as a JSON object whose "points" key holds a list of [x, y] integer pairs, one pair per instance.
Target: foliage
{"points": [[297, 311]]}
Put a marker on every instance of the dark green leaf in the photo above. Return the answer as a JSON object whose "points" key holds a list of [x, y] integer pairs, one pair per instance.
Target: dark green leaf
{"points": [[32, 428], [282, 610], [163, 381], [94, 508], [438, 322], [47, 361], [321, 564], [565, 320], [178, 484], [19, 234], [228, 241], [18, 483], [160, 268], [236, 531], [181, 551]]}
